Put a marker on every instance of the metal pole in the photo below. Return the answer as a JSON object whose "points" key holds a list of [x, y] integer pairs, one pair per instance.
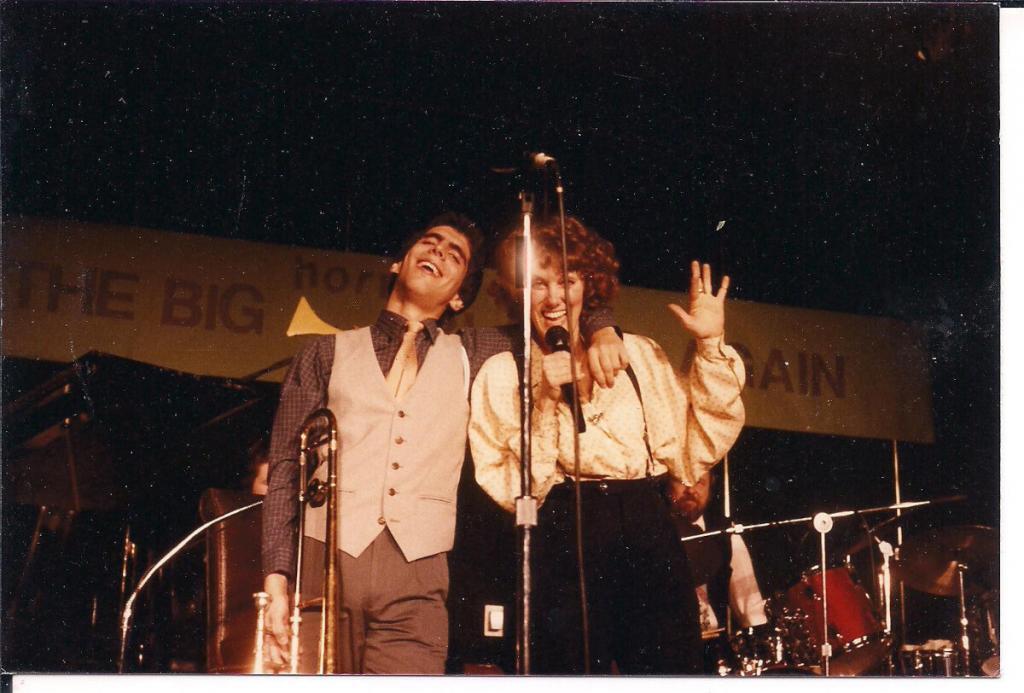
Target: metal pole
{"points": [[965, 638], [823, 523], [526, 504], [899, 537], [727, 512], [577, 427]]}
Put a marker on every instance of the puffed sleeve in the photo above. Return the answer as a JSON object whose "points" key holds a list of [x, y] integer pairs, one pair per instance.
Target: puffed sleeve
{"points": [[494, 432], [696, 418]]}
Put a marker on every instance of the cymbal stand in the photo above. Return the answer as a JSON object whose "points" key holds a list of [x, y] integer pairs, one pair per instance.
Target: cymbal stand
{"points": [[898, 497], [965, 638], [885, 548], [883, 581], [727, 514], [823, 524], [737, 528]]}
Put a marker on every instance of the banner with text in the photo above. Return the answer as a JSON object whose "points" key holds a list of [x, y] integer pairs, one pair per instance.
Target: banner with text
{"points": [[215, 306]]}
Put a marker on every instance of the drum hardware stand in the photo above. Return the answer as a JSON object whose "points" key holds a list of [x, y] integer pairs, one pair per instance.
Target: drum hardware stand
{"points": [[883, 578], [887, 552], [965, 638], [726, 510], [897, 495], [993, 637], [823, 523], [741, 528]]}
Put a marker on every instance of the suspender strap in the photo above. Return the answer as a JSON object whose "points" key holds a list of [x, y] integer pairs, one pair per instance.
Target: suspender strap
{"points": [[643, 412]]}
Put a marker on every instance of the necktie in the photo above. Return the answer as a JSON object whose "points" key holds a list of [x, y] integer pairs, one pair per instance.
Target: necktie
{"points": [[403, 369]]}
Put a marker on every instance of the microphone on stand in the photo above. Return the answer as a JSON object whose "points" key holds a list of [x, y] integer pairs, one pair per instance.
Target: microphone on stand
{"points": [[557, 339], [540, 160]]}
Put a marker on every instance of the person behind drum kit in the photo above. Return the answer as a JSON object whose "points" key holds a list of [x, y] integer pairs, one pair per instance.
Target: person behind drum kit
{"points": [[722, 569], [256, 477], [399, 392], [639, 433]]}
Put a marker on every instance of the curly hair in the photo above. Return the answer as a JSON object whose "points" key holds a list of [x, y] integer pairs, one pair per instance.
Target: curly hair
{"points": [[590, 255]]}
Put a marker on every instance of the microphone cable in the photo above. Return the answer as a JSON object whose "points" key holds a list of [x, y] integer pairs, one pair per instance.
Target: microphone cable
{"points": [[577, 412]]}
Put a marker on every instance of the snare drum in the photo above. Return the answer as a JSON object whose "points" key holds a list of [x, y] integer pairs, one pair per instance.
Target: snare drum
{"points": [[856, 636]]}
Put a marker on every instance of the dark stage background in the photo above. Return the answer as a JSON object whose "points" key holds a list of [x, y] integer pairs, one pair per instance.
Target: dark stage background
{"points": [[851, 149]]}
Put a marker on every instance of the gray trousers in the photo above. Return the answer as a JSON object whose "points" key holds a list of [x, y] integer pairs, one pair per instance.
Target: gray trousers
{"points": [[394, 619]]}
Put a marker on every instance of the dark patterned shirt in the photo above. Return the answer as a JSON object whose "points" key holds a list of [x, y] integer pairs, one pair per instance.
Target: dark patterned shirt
{"points": [[304, 390]]}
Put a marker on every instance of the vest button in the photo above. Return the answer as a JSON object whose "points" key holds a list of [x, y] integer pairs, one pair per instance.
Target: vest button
{"points": [[401, 414], [381, 521], [395, 465], [392, 491], [399, 440]]}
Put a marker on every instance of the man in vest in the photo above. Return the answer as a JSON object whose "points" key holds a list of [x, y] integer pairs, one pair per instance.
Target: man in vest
{"points": [[399, 391]]}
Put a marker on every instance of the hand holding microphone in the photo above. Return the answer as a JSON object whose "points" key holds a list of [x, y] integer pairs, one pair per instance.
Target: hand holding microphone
{"points": [[557, 372]]}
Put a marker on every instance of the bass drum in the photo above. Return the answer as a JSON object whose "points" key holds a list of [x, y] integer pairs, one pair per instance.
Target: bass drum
{"points": [[857, 638]]}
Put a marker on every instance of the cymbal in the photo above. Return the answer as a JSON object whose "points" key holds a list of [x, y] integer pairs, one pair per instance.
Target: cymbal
{"points": [[928, 561]]}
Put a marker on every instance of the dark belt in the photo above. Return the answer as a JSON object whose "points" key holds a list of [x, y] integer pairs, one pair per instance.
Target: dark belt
{"points": [[608, 487]]}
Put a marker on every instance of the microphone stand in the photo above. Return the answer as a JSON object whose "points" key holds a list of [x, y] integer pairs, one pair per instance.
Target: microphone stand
{"points": [[577, 423], [126, 614], [526, 504]]}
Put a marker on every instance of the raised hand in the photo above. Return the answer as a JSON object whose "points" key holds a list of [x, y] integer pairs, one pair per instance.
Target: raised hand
{"points": [[706, 314]]}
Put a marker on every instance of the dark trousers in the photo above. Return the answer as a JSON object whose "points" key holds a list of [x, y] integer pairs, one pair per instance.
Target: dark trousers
{"points": [[642, 606], [394, 619]]}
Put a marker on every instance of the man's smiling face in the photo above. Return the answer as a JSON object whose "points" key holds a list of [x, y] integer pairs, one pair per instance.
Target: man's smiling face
{"points": [[434, 267]]}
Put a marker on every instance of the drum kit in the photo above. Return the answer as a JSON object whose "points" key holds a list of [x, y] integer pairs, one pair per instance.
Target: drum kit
{"points": [[828, 624]]}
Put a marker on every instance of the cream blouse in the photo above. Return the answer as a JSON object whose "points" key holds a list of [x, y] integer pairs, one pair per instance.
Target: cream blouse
{"points": [[692, 421]]}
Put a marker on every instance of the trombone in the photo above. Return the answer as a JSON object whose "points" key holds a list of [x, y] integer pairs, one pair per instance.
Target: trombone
{"points": [[314, 493]]}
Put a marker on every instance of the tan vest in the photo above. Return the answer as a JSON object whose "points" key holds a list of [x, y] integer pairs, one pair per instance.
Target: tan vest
{"points": [[400, 460]]}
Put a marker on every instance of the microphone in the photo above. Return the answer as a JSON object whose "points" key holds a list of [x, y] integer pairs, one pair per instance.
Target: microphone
{"points": [[557, 339], [531, 161], [540, 159]]}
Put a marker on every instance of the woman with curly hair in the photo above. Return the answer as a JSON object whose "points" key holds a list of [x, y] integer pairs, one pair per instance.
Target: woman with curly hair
{"points": [[650, 425]]}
